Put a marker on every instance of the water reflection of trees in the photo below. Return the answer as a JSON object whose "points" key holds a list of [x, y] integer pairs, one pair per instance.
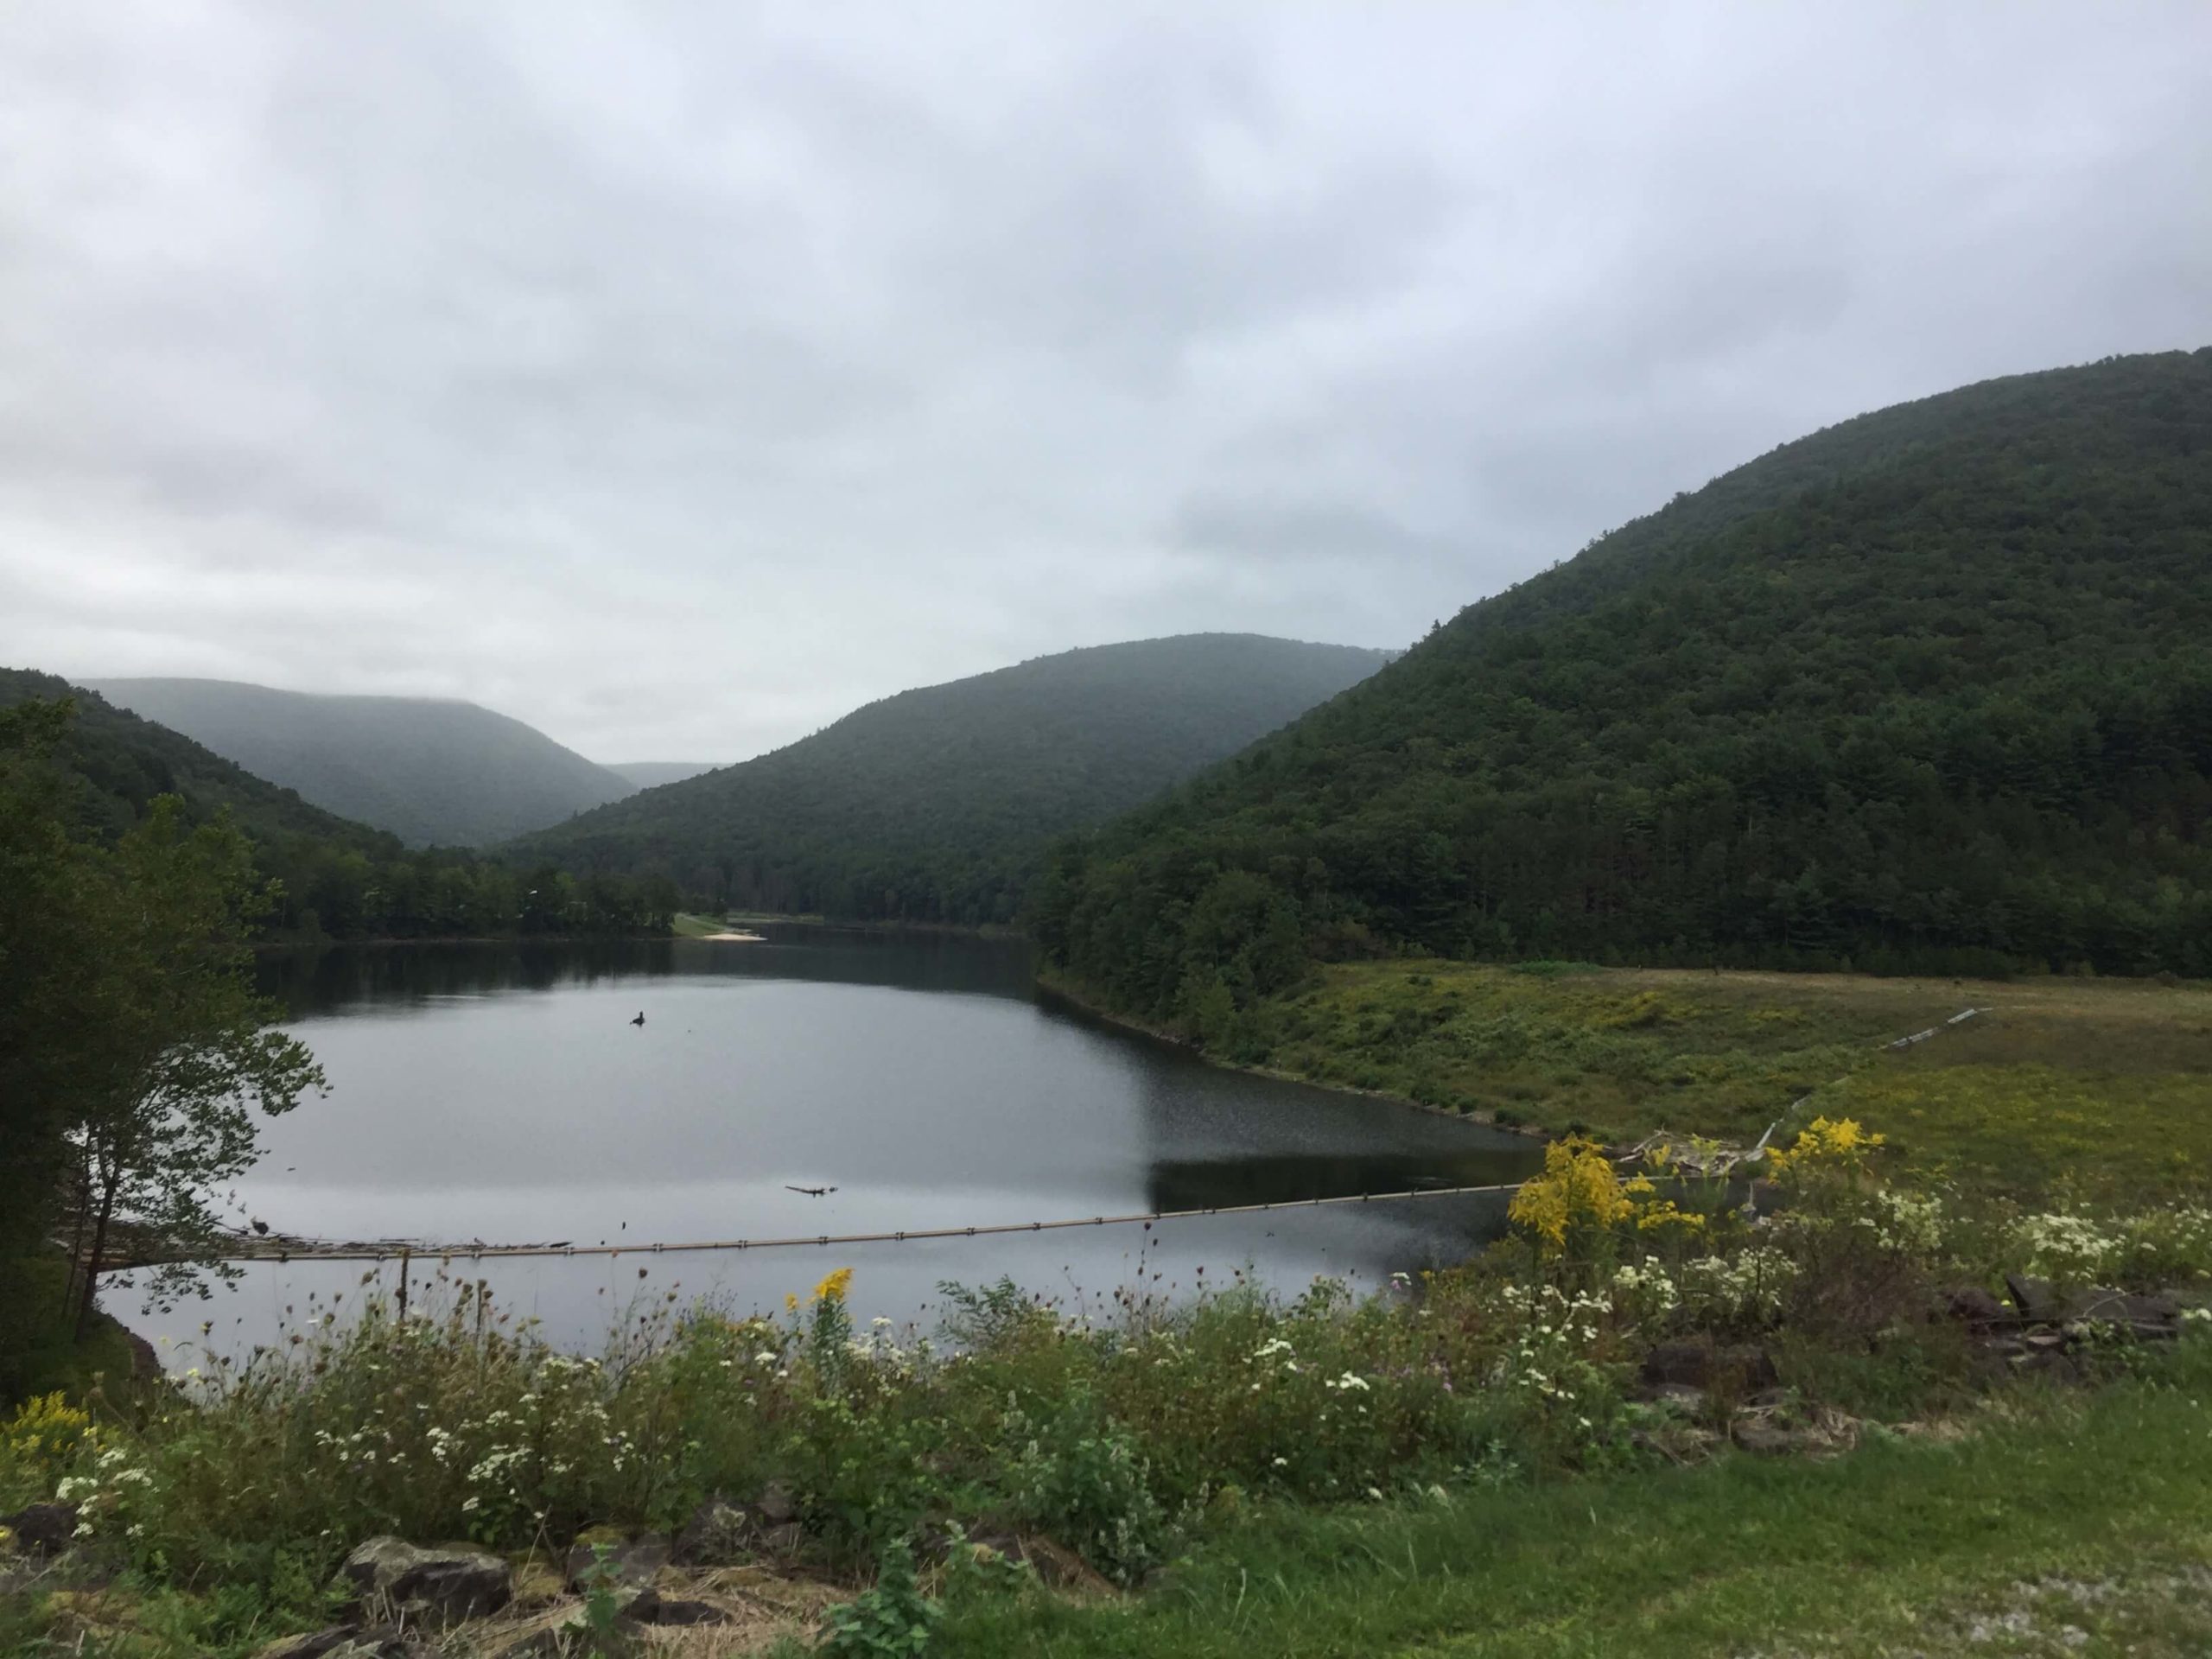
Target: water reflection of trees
{"points": [[1204, 1183], [311, 981], [1214, 1138]]}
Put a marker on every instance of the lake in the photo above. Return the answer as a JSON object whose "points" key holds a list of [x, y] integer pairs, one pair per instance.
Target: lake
{"points": [[501, 1092]]}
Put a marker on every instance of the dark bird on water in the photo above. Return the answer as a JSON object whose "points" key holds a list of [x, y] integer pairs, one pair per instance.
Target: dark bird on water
{"points": [[640, 1019], [810, 1192], [260, 1226]]}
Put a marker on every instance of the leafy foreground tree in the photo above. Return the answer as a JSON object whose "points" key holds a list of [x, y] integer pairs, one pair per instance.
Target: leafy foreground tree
{"points": [[189, 1051], [132, 1050]]}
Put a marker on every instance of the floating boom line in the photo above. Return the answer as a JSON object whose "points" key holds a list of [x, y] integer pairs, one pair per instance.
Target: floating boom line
{"points": [[277, 1248]]}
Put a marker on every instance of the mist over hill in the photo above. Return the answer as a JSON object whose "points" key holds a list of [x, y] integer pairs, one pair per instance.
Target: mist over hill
{"points": [[1930, 689], [117, 761], [936, 804], [432, 771], [651, 774]]}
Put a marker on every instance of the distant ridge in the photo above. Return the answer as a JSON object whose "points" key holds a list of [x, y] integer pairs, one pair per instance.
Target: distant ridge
{"points": [[120, 761], [936, 804], [433, 772], [651, 774]]}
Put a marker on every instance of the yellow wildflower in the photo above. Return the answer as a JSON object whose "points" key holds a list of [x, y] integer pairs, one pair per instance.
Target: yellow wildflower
{"points": [[832, 1288], [1578, 1187], [1824, 1143], [1666, 1213]]}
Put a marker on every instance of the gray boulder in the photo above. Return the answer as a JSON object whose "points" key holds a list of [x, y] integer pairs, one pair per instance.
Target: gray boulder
{"points": [[393, 1578], [1972, 1304], [2145, 1318], [775, 1505], [2037, 1301]]}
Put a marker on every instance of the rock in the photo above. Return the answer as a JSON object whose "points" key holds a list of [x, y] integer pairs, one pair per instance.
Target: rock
{"points": [[2146, 1318], [2035, 1300], [775, 1505], [639, 1603], [691, 1612], [719, 1533], [392, 1577], [1679, 1398], [43, 1528], [632, 1561], [1738, 1370], [1972, 1304]]}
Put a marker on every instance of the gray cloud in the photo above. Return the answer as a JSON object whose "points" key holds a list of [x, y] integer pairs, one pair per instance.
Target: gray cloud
{"points": [[676, 377]]}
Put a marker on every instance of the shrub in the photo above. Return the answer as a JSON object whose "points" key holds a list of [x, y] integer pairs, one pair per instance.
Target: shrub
{"points": [[1081, 1479]]}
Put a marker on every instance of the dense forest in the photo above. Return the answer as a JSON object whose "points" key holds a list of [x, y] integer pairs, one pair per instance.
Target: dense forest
{"points": [[336, 879], [936, 805], [433, 771], [1929, 689]]}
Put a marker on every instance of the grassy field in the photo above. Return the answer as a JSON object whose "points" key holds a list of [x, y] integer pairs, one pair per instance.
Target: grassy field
{"points": [[2100, 1086], [2057, 1527]]}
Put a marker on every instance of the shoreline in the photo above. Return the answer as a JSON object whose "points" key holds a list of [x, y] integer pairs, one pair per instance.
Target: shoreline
{"points": [[1062, 989], [389, 942]]}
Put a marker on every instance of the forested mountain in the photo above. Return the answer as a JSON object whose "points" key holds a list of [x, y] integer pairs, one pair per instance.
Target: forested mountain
{"points": [[651, 774], [340, 879], [936, 804], [1929, 688], [433, 772]]}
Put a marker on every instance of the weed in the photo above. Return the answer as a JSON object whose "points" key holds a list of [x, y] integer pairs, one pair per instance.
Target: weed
{"points": [[890, 1620]]}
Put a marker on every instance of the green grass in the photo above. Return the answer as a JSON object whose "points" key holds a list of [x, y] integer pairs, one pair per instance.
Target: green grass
{"points": [[689, 927], [2058, 1513], [2105, 1086]]}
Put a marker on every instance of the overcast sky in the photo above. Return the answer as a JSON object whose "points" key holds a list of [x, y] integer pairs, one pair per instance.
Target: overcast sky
{"points": [[678, 378]]}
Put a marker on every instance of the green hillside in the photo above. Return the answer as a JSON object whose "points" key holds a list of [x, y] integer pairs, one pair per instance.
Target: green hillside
{"points": [[433, 773], [1931, 689], [935, 804], [340, 879]]}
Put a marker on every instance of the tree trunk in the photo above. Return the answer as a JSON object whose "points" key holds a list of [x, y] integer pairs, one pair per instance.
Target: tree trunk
{"points": [[76, 1239], [99, 1249]]}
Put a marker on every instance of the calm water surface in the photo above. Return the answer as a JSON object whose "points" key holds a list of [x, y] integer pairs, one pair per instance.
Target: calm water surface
{"points": [[499, 1093]]}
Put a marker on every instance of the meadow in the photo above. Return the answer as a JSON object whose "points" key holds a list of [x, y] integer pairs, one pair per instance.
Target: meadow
{"points": [[2095, 1087]]}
